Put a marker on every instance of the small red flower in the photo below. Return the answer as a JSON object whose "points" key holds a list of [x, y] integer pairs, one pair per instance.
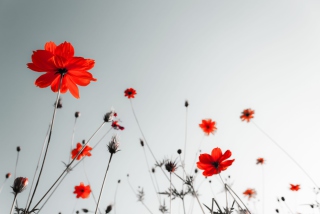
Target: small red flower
{"points": [[247, 115], [85, 152], [294, 187], [130, 93], [260, 161], [59, 61], [8, 175], [214, 163], [208, 126], [116, 126], [251, 193], [82, 191]]}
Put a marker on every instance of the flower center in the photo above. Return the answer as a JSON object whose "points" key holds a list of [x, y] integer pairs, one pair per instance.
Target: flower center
{"points": [[247, 114], [62, 71], [215, 164]]}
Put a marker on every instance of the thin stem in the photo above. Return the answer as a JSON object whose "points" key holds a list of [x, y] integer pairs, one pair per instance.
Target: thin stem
{"points": [[49, 138], [115, 197], [183, 205], [105, 176], [196, 155], [262, 190], [14, 201], [15, 169], [170, 192], [212, 203], [225, 189], [68, 167], [74, 207], [3, 184], [229, 188], [268, 136], [185, 140], [146, 207], [72, 138]]}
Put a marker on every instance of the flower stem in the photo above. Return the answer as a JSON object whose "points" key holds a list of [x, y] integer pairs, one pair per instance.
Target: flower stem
{"points": [[49, 138], [170, 192], [229, 188], [72, 138], [105, 176], [225, 189], [15, 169], [14, 201], [185, 141]]}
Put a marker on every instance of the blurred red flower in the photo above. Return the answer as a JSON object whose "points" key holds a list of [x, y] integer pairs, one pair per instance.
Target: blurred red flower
{"points": [[247, 115], [260, 161], [208, 126], [82, 191], [250, 193], [60, 62], [214, 163], [85, 152], [294, 187], [116, 126], [130, 93]]}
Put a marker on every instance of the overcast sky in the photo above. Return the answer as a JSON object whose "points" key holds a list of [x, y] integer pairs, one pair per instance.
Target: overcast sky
{"points": [[223, 56]]}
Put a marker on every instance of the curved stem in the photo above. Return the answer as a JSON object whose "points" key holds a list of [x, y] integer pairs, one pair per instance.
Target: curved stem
{"points": [[104, 179], [14, 201]]}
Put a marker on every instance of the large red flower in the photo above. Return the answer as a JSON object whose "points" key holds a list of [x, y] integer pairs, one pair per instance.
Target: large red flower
{"points": [[250, 193], [59, 62], [247, 115], [208, 126], [294, 187], [130, 93], [85, 151], [214, 163], [82, 191]]}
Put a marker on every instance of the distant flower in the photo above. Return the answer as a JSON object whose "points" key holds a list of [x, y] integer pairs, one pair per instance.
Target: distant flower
{"points": [[8, 175], [82, 191], [113, 146], [171, 166], [130, 93], [85, 151], [247, 115], [294, 187], [208, 126], [116, 126], [251, 193], [214, 163], [60, 62], [19, 184], [260, 161]]}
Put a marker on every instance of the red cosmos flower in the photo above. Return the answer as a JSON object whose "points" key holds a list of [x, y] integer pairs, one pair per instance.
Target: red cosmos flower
{"points": [[116, 126], [260, 161], [247, 115], [85, 152], [82, 191], [208, 126], [250, 193], [294, 187], [214, 163], [130, 93], [59, 61]]}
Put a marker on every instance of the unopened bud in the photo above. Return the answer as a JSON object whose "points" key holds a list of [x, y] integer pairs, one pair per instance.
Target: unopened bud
{"points": [[141, 142], [77, 114], [186, 103], [85, 210], [109, 208], [8, 175], [19, 184], [179, 151], [18, 148]]}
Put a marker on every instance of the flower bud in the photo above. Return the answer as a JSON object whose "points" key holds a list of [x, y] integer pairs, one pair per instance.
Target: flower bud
{"points": [[19, 184], [77, 114], [186, 103], [179, 151], [18, 148], [8, 175], [109, 208]]}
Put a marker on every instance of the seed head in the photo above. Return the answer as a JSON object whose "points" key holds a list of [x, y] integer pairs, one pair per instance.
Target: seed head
{"points": [[119, 181], [196, 171], [85, 210], [283, 199], [171, 166], [186, 103], [77, 114], [153, 170], [109, 208], [113, 146], [179, 151], [18, 148], [19, 184], [108, 117], [141, 142]]}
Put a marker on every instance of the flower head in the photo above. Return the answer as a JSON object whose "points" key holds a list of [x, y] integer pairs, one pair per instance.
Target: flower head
{"points": [[108, 117], [130, 93], [294, 187], [214, 163], [59, 62], [19, 184], [251, 193], [171, 166], [260, 161], [116, 126], [82, 191], [113, 146], [247, 115], [208, 126], [85, 151]]}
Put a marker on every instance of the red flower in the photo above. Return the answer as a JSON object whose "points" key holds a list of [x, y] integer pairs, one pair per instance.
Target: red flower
{"points": [[260, 161], [294, 187], [247, 115], [116, 126], [8, 175], [130, 93], [59, 61], [250, 193], [82, 191], [214, 163], [208, 126], [85, 152]]}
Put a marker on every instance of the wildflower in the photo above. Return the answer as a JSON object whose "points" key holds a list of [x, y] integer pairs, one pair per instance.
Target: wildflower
{"points": [[247, 115], [77, 114], [82, 191], [130, 93], [60, 62], [85, 151], [208, 126], [214, 163], [171, 166], [8, 175], [116, 126], [108, 117], [19, 184], [251, 193], [294, 187], [260, 161], [113, 146], [18, 148]]}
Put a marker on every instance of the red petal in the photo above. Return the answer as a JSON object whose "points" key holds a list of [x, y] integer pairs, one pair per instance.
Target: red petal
{"points": [[216, 154], [204, 166], [225, 156], [210, 172], [80, 64], [50, 46], [224, 165], [42, 61], [205, 159], [46, 79], [60, 62], [65, 50], [73, 88], [56, 82]]}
